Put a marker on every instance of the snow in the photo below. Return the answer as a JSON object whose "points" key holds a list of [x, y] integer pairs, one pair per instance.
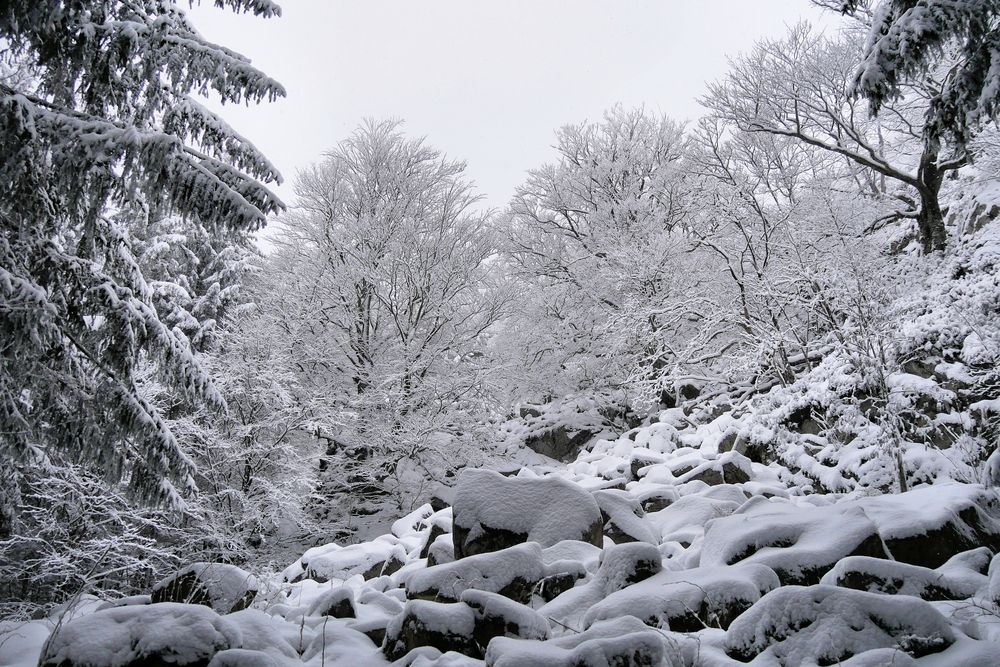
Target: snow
{"points": [[336, 644], [21, 642], [584, 553]]}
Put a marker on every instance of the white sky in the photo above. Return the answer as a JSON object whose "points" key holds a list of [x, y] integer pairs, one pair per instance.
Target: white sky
{"points": [[485, 81]]}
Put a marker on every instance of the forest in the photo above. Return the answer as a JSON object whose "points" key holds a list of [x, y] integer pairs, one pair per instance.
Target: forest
{"points": [[703, 393]]}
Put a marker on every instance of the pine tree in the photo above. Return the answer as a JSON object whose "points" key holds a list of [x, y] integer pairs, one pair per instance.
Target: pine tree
{"points": [[98, 121]]}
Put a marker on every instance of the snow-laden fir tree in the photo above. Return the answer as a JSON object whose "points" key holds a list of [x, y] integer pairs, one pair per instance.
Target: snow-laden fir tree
{"points": [[98, 117]]}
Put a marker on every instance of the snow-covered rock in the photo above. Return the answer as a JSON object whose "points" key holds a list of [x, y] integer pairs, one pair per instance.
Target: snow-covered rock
{"points": [[623, 641], [623, 518], [497, 616], [382, 556], [512, 572], [444, 626], [797, 625], [928, 525], [878, 575], [689, 600], [492, 512], [799, 542], [223, 587], [337, 602], [165, 633]]}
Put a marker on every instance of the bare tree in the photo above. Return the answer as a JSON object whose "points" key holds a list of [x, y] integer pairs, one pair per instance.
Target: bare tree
{"points": [[799, 87], [388, 294]]}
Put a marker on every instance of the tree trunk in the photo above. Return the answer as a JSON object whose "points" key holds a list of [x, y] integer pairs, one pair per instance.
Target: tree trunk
{"points": [[930, 220]]}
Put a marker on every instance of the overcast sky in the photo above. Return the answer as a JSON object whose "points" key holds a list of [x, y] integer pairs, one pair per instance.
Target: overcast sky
{"points": [[485, 81]]}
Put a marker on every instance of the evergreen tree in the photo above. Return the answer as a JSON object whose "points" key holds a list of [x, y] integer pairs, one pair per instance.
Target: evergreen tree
{"points": [[101, 121]]}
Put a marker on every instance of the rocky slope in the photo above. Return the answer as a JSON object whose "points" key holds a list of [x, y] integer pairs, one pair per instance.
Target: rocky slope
{"points": [[669, 545]]}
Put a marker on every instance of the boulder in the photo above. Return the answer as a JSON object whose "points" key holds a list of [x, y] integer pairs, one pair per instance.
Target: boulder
{"points": [[730, 468], [444, 626], [442, 497], [800, 543], [223, 587], [165, 633], [623, 642], [435, 532], [656, 498], [513, 573], [559, 442], [799, 625], [928, 525], [689, 600], [497, 616], [807, 420], [621, 565], [640, 461], [622, 515], [554, 585], [382, 556], [441, 551], [626, 564], [337, 603], [878, 575], [493, 512]]}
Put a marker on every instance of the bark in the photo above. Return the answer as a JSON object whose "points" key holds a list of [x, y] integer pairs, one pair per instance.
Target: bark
{"points": [[930, 220]]}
